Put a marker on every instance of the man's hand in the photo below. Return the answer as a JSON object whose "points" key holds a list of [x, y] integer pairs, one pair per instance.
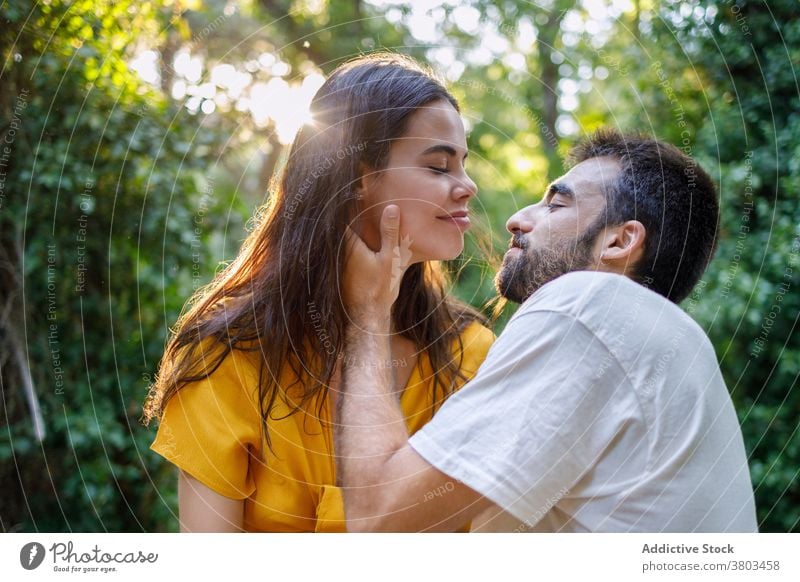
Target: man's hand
{"points": [[386, 483], [372, 279]]}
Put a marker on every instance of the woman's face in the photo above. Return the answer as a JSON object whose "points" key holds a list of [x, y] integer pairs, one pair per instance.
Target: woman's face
{"points": [[425, 177]]}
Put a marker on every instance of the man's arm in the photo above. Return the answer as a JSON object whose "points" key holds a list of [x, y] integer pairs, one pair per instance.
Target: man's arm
{"points": [[387, 485]]}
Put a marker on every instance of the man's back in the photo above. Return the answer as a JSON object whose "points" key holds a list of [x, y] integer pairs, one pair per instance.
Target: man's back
{"points": [[619, 418]]}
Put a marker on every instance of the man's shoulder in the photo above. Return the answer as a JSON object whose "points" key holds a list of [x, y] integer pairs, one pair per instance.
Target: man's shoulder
{"points": [[607, 301], [576, 291]]}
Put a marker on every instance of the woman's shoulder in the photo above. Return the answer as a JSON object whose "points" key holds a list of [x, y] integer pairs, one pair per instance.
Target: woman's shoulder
{"points": [[473, 328], [212, 422], [477, 334], [474, 342], [222, 373]]}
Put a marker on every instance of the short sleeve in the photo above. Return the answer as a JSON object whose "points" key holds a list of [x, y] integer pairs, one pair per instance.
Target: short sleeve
{"points": [[541, 411], [209, 427]]}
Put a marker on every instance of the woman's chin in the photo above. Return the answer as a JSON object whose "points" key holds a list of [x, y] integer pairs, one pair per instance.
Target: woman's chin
{"points": [[441, 254]]}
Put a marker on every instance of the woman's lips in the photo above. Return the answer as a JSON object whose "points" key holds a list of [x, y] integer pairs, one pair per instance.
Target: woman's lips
{"points": [[461, 221]]}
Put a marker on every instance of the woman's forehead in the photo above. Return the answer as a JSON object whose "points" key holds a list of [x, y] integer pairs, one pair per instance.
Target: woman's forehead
{"points": [[437, 122]]}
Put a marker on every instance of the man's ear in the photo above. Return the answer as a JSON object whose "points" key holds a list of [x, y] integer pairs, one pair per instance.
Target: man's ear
{"points": [[622, 246]]}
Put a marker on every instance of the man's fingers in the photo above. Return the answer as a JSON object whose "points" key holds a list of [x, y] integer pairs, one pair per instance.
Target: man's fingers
{"points": [[390, 229]]}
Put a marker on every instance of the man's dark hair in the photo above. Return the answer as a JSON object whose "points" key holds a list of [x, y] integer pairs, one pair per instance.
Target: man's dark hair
{"points": [[671, 195]]}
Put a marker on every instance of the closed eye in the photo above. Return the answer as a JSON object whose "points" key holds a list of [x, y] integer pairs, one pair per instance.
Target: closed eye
{"points": [[438, 170]]}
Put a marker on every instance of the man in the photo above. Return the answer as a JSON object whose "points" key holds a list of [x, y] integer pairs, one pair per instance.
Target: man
{"points": [[601, 406]]}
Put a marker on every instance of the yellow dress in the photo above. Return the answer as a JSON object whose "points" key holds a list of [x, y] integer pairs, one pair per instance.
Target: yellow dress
{"points": [[211, 429]]}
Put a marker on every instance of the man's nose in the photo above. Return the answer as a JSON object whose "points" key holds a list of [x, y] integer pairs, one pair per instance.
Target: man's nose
{"points": [[520, 222]]}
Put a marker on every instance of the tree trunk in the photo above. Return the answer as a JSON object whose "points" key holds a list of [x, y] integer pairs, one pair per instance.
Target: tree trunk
{"points": [[14, 366], [546, 126]]}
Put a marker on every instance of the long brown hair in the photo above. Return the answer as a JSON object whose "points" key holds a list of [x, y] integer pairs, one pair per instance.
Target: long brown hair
{"points": [[284, 281]]}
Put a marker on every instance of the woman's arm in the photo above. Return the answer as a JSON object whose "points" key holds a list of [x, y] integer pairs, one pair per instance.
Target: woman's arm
{"points": [[204, 510]]}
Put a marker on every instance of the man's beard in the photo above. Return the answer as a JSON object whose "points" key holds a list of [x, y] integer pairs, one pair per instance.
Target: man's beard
{"points": [[521, 276]]}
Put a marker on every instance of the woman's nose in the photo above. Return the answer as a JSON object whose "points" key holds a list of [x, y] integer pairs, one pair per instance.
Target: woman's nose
{"points": [[465, 187]]}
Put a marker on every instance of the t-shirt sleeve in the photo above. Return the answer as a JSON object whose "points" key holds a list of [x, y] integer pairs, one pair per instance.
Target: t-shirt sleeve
{"points": [[544, 406], [209, 427]]}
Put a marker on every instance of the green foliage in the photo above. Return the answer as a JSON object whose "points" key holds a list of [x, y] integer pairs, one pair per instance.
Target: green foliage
{"points": [[102, 191]]}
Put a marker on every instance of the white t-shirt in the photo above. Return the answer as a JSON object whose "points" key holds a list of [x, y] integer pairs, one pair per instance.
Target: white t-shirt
{"points": [[601, 407]]}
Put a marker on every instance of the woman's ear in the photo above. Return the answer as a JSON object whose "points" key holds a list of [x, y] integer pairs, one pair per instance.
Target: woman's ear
{"points": [[366, 177], [366, 225], [623, 246]]}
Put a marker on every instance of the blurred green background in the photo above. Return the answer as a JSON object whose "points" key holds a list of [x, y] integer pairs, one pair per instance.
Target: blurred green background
{"points": [[137, 138]]}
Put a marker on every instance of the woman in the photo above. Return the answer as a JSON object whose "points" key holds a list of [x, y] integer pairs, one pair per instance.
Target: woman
{"points": [[245, 386]]}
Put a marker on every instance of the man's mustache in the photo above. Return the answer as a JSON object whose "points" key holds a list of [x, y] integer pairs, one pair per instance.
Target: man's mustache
{"points": [[518, 241]]}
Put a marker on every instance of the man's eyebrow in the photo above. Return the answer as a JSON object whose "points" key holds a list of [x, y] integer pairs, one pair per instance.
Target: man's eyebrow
{"points": [[449, 150], [560, 188]]}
